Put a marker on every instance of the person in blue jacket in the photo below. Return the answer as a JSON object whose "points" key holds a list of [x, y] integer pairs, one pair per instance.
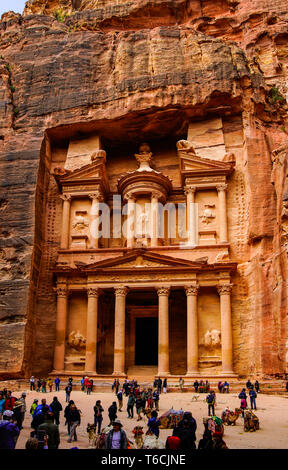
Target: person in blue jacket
{"points": [[253, 396], [153, 424]]}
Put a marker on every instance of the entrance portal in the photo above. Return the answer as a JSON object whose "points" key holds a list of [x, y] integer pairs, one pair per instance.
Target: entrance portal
{"points": [[146, 341]]}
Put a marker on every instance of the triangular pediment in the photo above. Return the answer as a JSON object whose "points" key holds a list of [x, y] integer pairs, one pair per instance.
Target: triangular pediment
{"points": [[194, 164], [140, 259], [91, 171]]}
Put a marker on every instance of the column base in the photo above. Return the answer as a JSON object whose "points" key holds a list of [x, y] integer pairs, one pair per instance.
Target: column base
{"points": [[163, 374], [192, 373], [119, 374], [227, 373]]}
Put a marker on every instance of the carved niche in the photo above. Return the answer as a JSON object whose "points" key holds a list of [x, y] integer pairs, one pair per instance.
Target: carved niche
{"points": [[76, 341]]}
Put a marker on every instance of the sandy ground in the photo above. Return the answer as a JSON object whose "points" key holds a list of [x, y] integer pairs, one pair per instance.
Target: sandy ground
{"points": [[272, 413]]}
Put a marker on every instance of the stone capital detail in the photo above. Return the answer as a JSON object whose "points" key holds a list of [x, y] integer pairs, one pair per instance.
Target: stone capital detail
{"points": [[62, 291], [93, 292], [121, 291], [96, 195], [156, 195], [189, 190], [65, 197], [191, 290], [163, 291], [224, 289], [129, 197], [222, 187]]}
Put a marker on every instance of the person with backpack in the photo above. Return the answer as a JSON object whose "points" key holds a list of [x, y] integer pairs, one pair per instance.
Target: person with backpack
{"points": [[253, 396], [68, 390], [120, 400], [56, 407], [210, 399], [130, 405], [98, 417], [153, 424], [155, 398], [9, 431]]}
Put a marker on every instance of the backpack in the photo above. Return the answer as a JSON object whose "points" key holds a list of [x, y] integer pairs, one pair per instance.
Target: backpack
{"points": [[210, 399]]}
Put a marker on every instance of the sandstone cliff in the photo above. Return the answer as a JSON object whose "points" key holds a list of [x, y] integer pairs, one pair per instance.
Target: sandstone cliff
{"points": [[144, 69]]}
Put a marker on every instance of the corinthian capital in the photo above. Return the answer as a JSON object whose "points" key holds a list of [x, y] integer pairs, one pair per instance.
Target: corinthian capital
{"points": [[222, 187], [62, 291], [65, 197], [163, 291], [96, 195], [93, 292], [189, 190], [121, 291], [224, 289], [191, 290]]}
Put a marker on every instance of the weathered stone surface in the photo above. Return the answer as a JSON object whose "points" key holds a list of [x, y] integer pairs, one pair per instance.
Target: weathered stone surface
{"points": [[137, 71]]}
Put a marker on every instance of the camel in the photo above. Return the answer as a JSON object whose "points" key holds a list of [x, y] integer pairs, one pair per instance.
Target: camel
{"points": [[229, 418], [251, 421], [152, 442], [138, 436]]}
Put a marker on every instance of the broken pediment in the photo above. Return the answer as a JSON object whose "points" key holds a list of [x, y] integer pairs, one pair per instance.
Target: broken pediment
{"points": [[192, 165]]}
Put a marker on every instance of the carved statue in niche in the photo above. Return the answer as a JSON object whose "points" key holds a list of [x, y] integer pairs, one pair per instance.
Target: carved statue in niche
{"points": [[76, 340], [212, 339], [185, 145], [208, 215], [80, 224]]}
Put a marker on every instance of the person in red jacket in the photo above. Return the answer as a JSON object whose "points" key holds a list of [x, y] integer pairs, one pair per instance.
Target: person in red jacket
{"points": [[10, 401]]}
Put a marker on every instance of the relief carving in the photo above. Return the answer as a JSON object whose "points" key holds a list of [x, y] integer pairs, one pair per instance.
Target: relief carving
{"points": [[76, 340], [208, 214], [80, 224], [185, 145], [212, 339]]}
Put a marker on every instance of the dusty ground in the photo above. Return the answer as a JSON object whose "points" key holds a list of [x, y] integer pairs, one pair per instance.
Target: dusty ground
{"points": [[272, 412]]}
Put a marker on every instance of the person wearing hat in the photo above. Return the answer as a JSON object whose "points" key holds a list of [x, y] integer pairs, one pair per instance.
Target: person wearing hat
{"points": [[17, 413], [9, 431], [23, 408], [116, 438]]}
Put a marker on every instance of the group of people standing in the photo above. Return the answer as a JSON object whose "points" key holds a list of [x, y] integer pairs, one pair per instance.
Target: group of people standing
{"points": [[42, 384]]}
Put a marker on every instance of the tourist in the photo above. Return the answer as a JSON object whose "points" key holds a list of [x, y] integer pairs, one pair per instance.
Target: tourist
{"points": [[220, 387], [165, 385], [5, 392], [112, 412], [257, 386], [287, 386], [39, 383], [2, 404], [74, 420], [56, 407], [32, 443], [186, 431], [57, 384], [70, 381], [50, 384], [33, 406], [210, 399], [126, 387], [32, 383], [130, 405], [38, 416], [68, 390], [9, 431], [44, 386], [66, 415], [248, 384], [23, 408], [89, 387], [120, 400], [225, 387], [17, 413], [196, 385], [117, 386], [86, 380], [139, 407], [98, 417], [206, 442], [181, 384], [155, 383], [207, 386], [153, 424], [51, 430], [10, 401], [155, 398], [159, 385], [144, 396], [82, 384], [116, 438], [150, 398], [253, 396]]}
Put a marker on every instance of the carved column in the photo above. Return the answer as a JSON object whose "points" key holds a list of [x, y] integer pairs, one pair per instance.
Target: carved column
{"points": [[61, 322], [64, 244], [192, 329], [191, 217], [130, 220], [119, 336], [91, 336], [94, 223], [222, 188], [226, 327], [163, 331], [154, 219]]}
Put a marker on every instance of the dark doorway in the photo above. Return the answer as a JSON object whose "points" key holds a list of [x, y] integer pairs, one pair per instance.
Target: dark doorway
{"points": [[146, 341]]}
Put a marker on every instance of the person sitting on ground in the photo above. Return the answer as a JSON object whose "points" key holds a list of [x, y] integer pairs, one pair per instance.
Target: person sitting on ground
{"points": [[153, 424], [112, 412], [9, 431], [116, 438], [51, 430]]}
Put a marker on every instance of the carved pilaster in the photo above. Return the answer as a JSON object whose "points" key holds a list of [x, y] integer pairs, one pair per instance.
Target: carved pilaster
{"points": [[97, 195], [62, 291], [189, 190]]}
